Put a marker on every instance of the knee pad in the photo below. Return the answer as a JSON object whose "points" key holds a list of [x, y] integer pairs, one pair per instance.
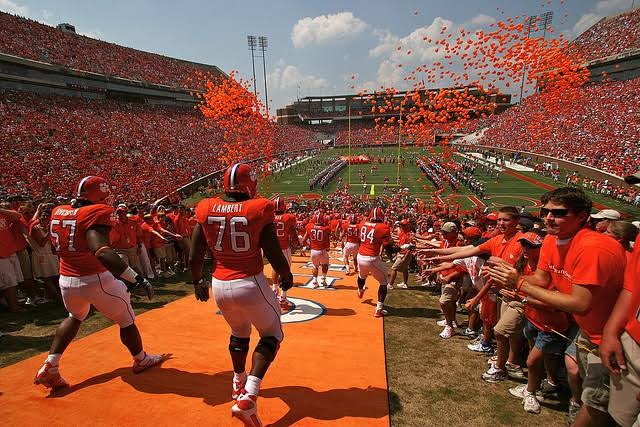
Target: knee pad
{"points": [[361, 282], [268, 347], [238, 345]]}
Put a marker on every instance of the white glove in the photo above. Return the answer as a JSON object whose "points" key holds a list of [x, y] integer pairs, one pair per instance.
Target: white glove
{"points": [[405, 246]]}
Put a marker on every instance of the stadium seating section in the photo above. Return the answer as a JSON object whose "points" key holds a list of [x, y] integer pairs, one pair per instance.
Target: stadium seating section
{"points": [[30, 39], [148, 151], [610, 36]]}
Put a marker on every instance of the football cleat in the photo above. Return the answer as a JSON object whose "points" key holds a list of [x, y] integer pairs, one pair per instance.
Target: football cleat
{"points": [[149, 361], [240, 178], [323, 283], [49, 379], [238, 388], [246, 410], [380, 312], [314, 285], [284, 303], [361, 292]]}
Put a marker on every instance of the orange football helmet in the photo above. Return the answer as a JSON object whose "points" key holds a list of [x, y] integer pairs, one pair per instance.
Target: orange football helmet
{"points": [[240, 178]]}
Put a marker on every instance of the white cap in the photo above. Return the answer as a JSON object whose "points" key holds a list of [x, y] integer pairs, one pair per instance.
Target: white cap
{"points": [[636, 223], [607, 214]]}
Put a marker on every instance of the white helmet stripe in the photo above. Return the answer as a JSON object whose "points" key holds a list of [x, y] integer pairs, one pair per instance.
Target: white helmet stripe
{"points": [[81, 184], [232, 176]]}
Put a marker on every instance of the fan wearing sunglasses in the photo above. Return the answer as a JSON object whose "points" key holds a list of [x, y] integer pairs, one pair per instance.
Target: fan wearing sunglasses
{"points": [[581, 272]]}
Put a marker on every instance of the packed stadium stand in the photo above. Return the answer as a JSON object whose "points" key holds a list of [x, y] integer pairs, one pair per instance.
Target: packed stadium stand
{"points": [[29, 39], [610, 36], [49, 142]]}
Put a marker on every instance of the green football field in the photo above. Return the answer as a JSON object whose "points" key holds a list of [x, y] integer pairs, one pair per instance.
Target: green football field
{"points": [[509, 190]]}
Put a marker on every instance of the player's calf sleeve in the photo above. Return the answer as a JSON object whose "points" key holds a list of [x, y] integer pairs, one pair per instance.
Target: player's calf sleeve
{"points": [[382, 292], [268, 347], [238, 345], [361, 283]]}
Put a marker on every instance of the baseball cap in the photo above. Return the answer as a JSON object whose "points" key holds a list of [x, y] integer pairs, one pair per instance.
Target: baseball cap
{"points": [[122, 207], [448, 227], [531, 239], [404, 222], [470, 222], [472, 233], [607, 214], [633, 179], [636, 224], [526, 222], [493, 216]]}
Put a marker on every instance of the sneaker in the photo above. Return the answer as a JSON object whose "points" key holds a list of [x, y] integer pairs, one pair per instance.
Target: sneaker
{"points": [[521, 390], [531, 403], [323, 283], [246, 410], [494, 375], [469, 333], [492, 360], [447, 332], [284, 303], [50, 377], [361, 292], [402, 285], [380, 312], [443, 322], [573, 411], [149, 361], [476, 340], [237, 387], [389, 286], [548, 389], [30, 302], [515, 371]]}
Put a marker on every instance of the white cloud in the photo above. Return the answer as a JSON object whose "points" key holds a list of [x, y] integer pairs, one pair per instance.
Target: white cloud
{"points": [[607, 6], [289, 76], [326, 28], [480, 20], [13, 8], [584, 23]]}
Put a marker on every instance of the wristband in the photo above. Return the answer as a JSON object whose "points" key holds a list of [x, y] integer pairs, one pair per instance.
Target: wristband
{"points": [[519, 284], [129, 275], [100, 249]]}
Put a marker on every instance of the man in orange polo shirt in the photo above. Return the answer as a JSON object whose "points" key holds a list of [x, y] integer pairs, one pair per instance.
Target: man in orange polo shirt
{"points": [[124, 239], [586, 270], [10, 271]]}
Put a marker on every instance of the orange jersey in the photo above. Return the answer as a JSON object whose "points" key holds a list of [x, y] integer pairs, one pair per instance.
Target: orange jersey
{"points": [[319, 236], [351, 233], [124, 235], [285, 229], [373, 235], [632, 284], [232, 230], [68, 233], [594, 261]]}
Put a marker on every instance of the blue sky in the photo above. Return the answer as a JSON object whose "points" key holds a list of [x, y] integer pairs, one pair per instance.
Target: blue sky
{"points": [[314, 46]]}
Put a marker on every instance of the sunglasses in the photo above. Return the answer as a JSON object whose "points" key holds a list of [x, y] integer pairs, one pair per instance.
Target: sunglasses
{"points": [[557, 213]]}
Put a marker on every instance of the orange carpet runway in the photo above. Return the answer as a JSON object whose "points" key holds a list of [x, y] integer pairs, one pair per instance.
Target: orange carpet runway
{"points": [[330, 369]]}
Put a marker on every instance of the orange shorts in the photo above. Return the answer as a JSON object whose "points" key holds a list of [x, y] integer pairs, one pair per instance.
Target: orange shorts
{"points": [[489, 311]]}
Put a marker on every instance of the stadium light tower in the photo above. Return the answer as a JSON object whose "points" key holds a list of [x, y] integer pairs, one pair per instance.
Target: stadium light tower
{"points": [[251, 41], [263, 43], [532, 26]]}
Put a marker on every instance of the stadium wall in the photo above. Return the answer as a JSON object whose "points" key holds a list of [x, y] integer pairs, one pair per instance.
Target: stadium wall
{"points": [[625, 66], [39, 77]]}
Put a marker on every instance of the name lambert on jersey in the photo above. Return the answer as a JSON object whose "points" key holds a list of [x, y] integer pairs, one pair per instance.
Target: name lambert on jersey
{"points": [[227, 208], [67, 212]]}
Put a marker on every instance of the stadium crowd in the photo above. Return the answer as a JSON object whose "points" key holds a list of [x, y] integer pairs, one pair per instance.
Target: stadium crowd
{"points": [[154, 148], [32, 40]]}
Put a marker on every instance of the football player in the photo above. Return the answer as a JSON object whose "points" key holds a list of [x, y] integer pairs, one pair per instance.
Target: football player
{"points": [[286, 231], [351, 243], [374, 235], [238, 227], [92, 273], [319, 234]]}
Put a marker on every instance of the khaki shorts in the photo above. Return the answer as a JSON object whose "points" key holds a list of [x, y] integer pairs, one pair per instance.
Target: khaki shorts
{"points": [[130, 256], [10, 272], [401, 263], [623, 404], [511, 319], [449, 293], [595, 376], [159, 253], [25, 264]]}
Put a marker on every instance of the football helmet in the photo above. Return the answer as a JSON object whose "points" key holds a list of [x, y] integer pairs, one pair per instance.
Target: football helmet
{"points": [[240, 178], [94, 189], [353, 219], [279, 204], [376, 214]]}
